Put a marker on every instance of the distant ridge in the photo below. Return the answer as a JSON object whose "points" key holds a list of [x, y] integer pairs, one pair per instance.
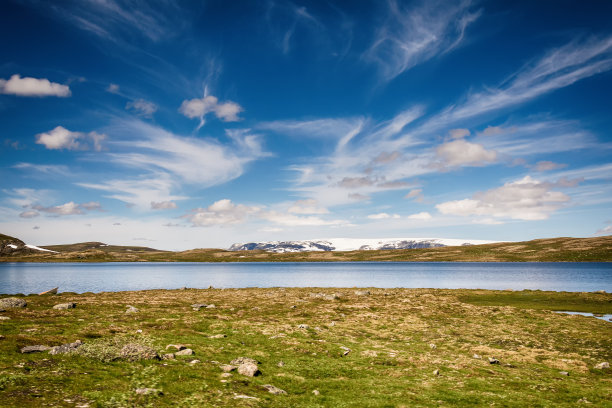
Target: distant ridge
{"points": [[353, 244]]}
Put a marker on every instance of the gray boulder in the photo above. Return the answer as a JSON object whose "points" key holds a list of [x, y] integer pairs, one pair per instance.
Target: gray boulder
{"points": [[65, 306], [66, 348], [242, 360], [602, 366], [274, 390], [12, 302], [184, 352], [249, 370], [34, 349], [131, 309]]}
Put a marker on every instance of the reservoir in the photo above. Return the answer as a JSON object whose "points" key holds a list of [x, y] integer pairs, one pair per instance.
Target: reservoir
{"points": [[98, 277]]}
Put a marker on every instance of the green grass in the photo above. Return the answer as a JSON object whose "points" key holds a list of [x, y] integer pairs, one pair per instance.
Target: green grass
{"points": [[389, 333]]}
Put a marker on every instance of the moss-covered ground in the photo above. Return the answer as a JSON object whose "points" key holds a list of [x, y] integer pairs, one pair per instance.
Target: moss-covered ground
{"points": [[397, 339]]}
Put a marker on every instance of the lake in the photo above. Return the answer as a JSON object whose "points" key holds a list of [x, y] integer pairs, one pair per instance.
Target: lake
{"points": [[98, 277]]}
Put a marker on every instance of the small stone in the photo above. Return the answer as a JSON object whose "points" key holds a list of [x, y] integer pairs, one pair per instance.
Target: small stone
{"points": [[316, 392], [211, 307], [274, 390], [34, 349], [168, 356], [2, 337], [303, 326], [477, 357], [493, 360], [362, 292], [346, 350], [131, 309], [5, 318], [196, 361], [226, 375], [12, 302], [198, 306], [249, 370], [185, 352], [432, 346], [148, 391], [176, 346], [293, 307], [139, 331], [583, 400], [602, 366], [226, 368], [436, 372], [564, 373], [65, 306], [281, 364], [217, 336]]}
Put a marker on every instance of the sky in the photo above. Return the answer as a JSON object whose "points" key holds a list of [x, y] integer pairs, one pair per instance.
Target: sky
{"points": [[196, 124]]}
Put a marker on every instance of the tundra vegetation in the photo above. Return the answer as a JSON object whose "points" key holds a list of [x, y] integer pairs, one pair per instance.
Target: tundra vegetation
{"points": [[305, 347]]}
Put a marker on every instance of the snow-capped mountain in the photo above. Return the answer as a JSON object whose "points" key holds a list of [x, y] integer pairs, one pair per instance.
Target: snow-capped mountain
{"points": [[353, 244]]}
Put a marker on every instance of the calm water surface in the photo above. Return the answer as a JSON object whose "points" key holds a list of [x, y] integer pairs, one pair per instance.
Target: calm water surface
{"points": [[98, 277]]}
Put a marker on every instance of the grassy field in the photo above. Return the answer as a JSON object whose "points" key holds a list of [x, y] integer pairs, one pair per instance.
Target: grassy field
{"points": [[597, 249], [338, 348]]}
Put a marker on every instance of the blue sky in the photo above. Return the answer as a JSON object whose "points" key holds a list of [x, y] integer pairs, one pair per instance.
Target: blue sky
{"points": [[201, 124]]}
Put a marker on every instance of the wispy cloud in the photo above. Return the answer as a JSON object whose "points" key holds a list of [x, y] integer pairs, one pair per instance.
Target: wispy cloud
{"points": [[142, 107], [413, 34]]}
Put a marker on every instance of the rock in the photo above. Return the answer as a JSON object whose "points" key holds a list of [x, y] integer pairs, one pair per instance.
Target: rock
{"points": [[2, 337], [603, 292], [432, 346], [583, 400], [293, 307], [281, 364], [493, 360], [66, 348], [274, 390], [131, 309], [226, 375], [242, 360], [346, 350], [211, 307], [226, 368], [12, 302], [185, 352], [176, 346], [316, 392], [248, 369], [362, 292], [5, 318], [477, 357], [217, 336], [168, 356], [198, 306], [135, 352], [49, 292], [564, 373], [436, 372], [65, 306], [148, 391], [304, 326], [602, 366], [196, 361], [34, 349]]}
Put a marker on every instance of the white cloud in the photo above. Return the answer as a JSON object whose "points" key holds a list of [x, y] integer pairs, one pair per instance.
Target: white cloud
{"points": [[415, 195], [222, 212], [61, 138], [142, 107], [113, 88], [28, 86], [524, 199], [458, 133], [607, 230], [163, 205], [292, 220], [420, 216], [308, 206], [413, 35], [92, 205], [382, 216], [69, 208], [462, 153], [29, 214], [548, 165], [200, 107]]}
